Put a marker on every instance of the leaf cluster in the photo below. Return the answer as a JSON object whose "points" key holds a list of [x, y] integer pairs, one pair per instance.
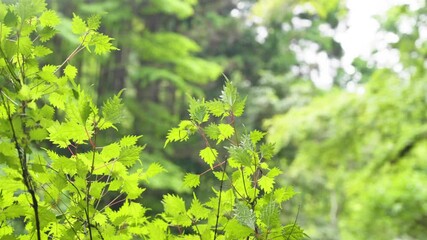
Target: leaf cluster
{"points": [[246, 203], [59, 182]]}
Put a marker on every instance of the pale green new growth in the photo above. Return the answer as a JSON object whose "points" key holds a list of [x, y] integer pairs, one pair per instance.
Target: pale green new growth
{"points": [[246, 203], [60, 180]]}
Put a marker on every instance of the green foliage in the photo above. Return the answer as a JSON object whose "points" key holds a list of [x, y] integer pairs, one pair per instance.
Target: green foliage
{"points": [[52, 193], [246, 202], [60, 182]]}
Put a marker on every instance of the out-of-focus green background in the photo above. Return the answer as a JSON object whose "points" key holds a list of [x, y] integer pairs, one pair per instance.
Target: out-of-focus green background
{"points": [[347, 109]]}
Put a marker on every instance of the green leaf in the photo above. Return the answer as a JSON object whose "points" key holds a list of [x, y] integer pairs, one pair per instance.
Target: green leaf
{"points": [[111, 151], [266, 183], [212, 131], [47, 33], [240, 155], [25, 45], [28, 8], [40, 51], [220, 176], [112, 109], [93, 22], [217, 108], [208, 155], [102, 43], [294, 232], [49, 18], [270, 215], [191, 180], [225, 132], [235, 230], [70, 72], [38, 134], [96, 189], [173, 205], [197, 210], [256, 136], [66, 165], [62, 134], [10, 19], [244, 215], [198, 111], [283, 194], [78, 26], [229, 94], [154, 169], [48, 73], [130, 185], [129, 155], [129, 140], [267, 151], [274, 172], [239, 107], [181, 133]]}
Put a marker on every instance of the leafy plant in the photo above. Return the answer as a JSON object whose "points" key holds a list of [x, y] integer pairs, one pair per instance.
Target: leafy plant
{"points": [[58, 182], [246, 203], [54, 189]]}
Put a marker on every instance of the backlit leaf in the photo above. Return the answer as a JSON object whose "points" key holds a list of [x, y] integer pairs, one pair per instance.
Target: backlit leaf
{"points": [[78, 26], [226, 131], [191, 180], [266, 184], [49, 18], [208, 155]]}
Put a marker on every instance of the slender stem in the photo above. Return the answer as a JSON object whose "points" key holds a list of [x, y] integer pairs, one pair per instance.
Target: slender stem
{"points": [[219, 200], [23, 161], [89, 182], [295, 222], [213, 167], [76, 50]]}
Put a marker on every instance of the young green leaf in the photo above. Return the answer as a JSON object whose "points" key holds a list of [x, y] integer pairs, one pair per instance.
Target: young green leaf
{"points": [[130, 140], [256, 136], [208, 155], [78, 26], [181, 133], [266, 183], [293, 232], [173, 205], [225, 132], [49, 18], [212, 131], [235, 230], [154, 169], [70, 71], [240, 155], [197, 210], [274, 172], [198, 111], [217, 108], [129, 155], [245, 215], [112, 109], [267, 151], [191, 180], [93, 22], [283, 194], [239, 107], [270, 215]]}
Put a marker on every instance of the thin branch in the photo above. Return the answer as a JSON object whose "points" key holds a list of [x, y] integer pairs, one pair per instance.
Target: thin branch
{"points": [[295, 222], [23, 161], [73, 53], [219, 201]]}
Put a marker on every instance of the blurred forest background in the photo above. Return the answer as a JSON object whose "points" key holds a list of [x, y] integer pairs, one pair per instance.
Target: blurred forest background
{"points": [[350, 128]]}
